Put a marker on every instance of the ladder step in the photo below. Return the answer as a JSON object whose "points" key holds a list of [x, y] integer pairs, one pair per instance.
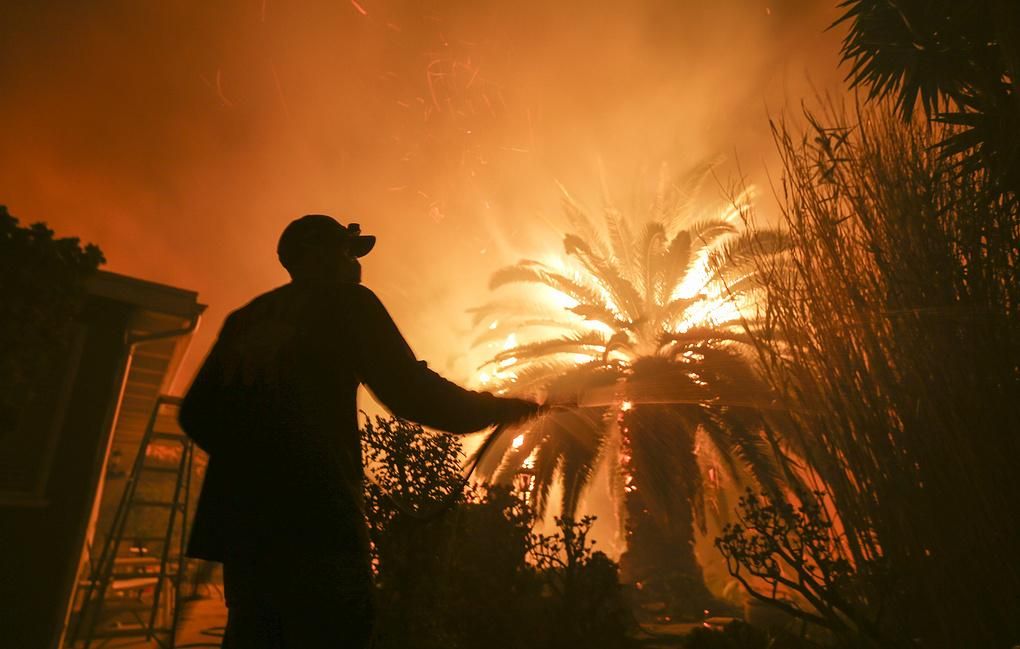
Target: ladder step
{"points": [[135, 582], [156, 503], [130, 582], [127, 631], [160, 469], [169, 436], [127, 575], [142, 560]]}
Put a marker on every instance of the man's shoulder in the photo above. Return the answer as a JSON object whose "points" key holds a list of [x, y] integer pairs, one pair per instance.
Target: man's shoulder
{"points": [[298, 300], [259, 304]]}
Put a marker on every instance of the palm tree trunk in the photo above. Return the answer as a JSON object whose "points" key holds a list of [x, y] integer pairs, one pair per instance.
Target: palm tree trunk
{"points": [[662, 479]]}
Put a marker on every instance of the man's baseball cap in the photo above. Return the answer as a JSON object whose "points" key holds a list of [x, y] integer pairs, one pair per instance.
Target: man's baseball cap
{"points": [[317, 230]]}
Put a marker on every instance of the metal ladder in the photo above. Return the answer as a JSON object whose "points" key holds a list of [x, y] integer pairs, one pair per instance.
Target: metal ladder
{"points": [[118, 574]]}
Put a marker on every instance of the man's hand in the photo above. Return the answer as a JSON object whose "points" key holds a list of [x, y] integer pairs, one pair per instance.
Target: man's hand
{"points": [[516, 411]]}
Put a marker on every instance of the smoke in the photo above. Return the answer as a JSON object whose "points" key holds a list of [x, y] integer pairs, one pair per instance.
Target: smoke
{"points": [[182, 137]]}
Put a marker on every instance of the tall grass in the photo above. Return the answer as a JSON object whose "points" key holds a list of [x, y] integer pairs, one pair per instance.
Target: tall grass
{"points": [[898, 312]]}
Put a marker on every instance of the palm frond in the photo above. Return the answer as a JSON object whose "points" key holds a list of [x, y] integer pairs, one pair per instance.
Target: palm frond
{"points": [[507, 326], [502, 308], [748, 444], [707, 232], [601, 314], [607, 274], [611, 457], [562, 380], [586, 430], [535, 272], [490, 453], [676, 264], [685, 192], [548, 457], [718, 435], [674, 310], [741, 253], [649, 250], [578, 343], [701, 336], [620, 236], [580, 223]]}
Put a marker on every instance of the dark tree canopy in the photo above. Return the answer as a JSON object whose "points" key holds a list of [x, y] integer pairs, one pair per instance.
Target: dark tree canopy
{"points": [[960, 60], [41, 291]]}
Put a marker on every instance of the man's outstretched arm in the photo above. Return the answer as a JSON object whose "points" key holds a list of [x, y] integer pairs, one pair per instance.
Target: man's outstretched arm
{"points": [[408, 387]]}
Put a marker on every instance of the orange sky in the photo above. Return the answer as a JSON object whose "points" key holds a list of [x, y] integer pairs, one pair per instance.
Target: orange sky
{"points": [[182, 136]]}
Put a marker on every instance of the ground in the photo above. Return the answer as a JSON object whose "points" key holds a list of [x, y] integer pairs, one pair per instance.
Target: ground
{"points": [[202, 624]]}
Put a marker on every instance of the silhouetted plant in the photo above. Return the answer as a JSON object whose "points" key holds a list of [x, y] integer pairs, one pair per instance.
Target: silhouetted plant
{"points": [[646, 340], [583, 585], [458, 579], [959, 60], [41, 292], [778, 550], [891, 335], [463, 579]]}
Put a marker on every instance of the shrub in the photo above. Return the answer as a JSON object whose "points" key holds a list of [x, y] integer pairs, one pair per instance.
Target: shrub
{"points": [[41, 292], [474, 574]]}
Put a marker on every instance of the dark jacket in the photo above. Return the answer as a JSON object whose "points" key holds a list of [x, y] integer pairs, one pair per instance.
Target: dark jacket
{"points": [[275, 407]]}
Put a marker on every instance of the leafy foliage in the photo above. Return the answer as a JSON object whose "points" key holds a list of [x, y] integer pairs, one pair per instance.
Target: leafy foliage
{"points": [[796, 550], [476, 576], [583, 587], [959, 59], [41, 292]]}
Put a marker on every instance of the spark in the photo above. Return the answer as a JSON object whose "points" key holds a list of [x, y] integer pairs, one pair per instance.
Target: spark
{"points": [[361, 10], [219, 89], [279, 91], [626, 405], [518, 441]]}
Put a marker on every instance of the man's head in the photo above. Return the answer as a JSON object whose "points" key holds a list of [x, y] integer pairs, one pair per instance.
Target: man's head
{"points": [[318, 247]]}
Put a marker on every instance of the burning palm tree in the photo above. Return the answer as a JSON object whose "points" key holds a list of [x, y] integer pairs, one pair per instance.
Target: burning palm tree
{"points": [[643, 332]]}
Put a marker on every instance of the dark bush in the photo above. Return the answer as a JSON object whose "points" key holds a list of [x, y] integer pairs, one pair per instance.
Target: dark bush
{"points": [[41, 291], [473, 574]]}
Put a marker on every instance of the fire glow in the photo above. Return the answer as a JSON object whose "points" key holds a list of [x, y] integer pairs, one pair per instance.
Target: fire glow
{"points": [[594, 304]]}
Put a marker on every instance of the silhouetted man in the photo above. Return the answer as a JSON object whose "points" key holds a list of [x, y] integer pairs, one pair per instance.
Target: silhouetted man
{"points": [[274, 405]]}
